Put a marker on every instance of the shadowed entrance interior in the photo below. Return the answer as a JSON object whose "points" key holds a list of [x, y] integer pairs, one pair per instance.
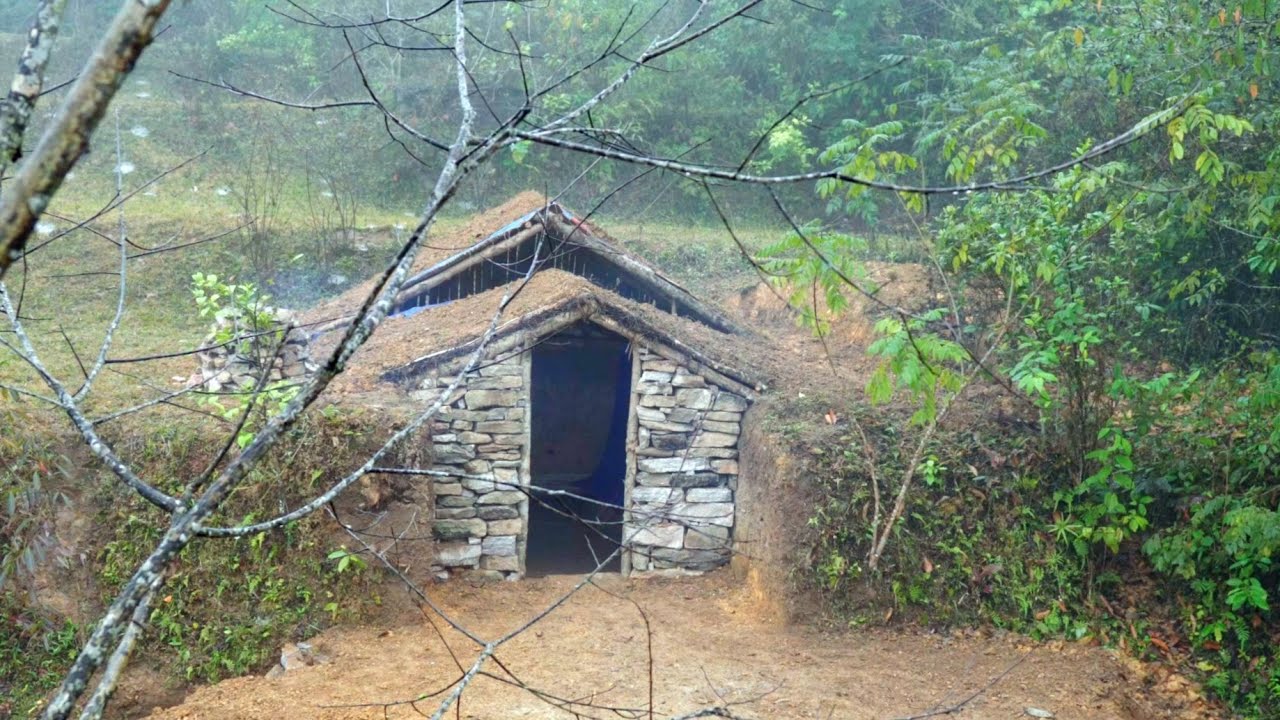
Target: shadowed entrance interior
{"points": [[579, 403]]}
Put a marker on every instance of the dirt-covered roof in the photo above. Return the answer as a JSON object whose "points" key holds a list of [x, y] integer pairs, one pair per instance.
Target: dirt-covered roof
{"points": [[416, 339]]}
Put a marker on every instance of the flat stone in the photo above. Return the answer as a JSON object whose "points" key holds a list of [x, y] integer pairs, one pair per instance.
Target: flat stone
{"points": [[446, 488], [444, 437], [669, 441], [658, 401], [496, 382], [453, 453], [686, 379], [710, 513], [709, 495], [653, 376], [500, 369], [673, 465], [478, 486], [654, 495], [722, 427], [510, 526], [665, 426], [707, 537], [722, 416], [507, 475], [667, 535], [495, 453], [729, 402], [511, 427], [662, 366], [455, 501], [497, 512], [474, 438], [481, 399], [462, 513], [458, 529], [502, 545], [694, 398], [458, 554], [516, 440], [652, 414], [462, 425], [500, 563], [684, 415], [477, 467], [516, 413], [715, 439], [501, 497], [653, 389], [725, 467], [721, 453], [689, 559]]}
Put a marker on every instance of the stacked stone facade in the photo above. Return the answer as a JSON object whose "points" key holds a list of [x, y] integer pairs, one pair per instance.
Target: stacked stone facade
{"points": [[686, 468], [682, 467], [480, 444]]}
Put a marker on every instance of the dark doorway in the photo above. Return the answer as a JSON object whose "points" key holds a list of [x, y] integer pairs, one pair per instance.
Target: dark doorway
{"points": [[579, 402]]}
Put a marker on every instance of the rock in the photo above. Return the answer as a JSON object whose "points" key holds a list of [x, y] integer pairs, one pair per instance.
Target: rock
{"points": [[458, 529], [686, 379], [669, 441], [513, 526], [668, 535], [698, 560], [477, 467], [653, 376], [654, 495], [673, 465], [715, 440], [501, 497], [497, 512], [709, 495], [653, 389], [473, 438], [729, 402], [660, 366], [725, 467], [294, 656], [1037, 713], [722, 427], [665, 426], [658, 401], [481, 399], [650, 414], [446, 488], [500, 563], [694, 398], [707, 537], [459, 513], [455, 501], [458, 554], [478, 486], [711, 513], [510, 427], [499, 545], [499, 382], [453, 453]]}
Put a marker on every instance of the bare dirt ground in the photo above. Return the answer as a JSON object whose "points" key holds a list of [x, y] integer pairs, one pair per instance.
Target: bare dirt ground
{"points": [[711, 646]]}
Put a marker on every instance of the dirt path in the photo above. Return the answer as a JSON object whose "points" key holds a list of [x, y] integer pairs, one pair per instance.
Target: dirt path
{"points": [[708, 647]]}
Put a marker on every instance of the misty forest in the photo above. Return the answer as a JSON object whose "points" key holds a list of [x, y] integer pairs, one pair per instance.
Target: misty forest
{"points": [[640, 359]]}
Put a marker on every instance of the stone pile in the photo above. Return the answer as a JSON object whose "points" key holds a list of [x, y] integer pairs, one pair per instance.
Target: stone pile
{"points": [[682, 501], [237, 365]]}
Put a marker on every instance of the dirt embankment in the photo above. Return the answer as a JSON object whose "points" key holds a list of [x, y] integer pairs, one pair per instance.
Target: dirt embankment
{"points": [[711, 646]]}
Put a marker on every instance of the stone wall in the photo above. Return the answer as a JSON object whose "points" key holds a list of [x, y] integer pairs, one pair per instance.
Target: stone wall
{"points": [[686, 468], [480, 440], [681, 478]]}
